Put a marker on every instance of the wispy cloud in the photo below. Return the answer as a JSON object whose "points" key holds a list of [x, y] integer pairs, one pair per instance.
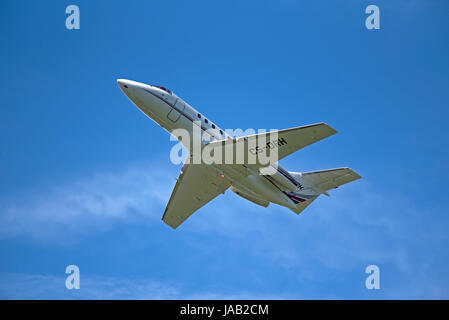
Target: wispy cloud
{"points": [[34, 286], [94, 203], [357, 226]]}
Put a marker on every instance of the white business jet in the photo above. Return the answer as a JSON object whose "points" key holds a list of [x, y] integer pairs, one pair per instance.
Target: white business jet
{"points": [[260, 183]]}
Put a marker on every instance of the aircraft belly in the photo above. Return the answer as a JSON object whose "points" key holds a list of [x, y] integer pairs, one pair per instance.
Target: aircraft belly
{"points": [[257, 186], [155, 109]]}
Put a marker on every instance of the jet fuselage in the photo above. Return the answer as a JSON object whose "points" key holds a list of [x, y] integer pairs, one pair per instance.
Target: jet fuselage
{"points": [[171, 112]]}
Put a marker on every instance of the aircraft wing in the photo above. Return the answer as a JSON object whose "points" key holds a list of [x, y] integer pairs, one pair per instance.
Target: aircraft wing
{"points": [[282, 142], [197, 185], [330, 179]]}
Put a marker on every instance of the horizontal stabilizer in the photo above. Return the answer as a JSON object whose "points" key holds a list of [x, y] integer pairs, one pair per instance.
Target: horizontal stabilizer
{"points": [[330, 179]]}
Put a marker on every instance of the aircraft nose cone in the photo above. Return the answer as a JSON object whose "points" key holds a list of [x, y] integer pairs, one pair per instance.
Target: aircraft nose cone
{"points": [[123, 84]]}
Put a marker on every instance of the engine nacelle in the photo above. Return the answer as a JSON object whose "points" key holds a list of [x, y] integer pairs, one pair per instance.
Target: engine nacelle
{"points": [[279, 178], [246, 196]]}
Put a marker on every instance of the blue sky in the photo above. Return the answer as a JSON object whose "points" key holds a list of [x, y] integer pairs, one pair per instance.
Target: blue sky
{"points": [[85, 177]]}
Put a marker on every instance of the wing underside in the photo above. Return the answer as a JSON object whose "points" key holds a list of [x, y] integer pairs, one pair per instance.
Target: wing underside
{"points": [[270, 146], [196, 185]]}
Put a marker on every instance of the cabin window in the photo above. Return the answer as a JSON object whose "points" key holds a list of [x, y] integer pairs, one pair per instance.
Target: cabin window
{"points": [[199, 116], [213, 126], [205, 120]]}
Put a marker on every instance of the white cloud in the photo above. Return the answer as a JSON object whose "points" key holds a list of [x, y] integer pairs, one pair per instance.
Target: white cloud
{"points": [[70, 210], [358, 225]]}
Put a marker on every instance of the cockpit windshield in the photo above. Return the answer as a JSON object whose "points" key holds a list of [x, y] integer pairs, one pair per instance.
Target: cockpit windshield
{"points": [[163, 88]]}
